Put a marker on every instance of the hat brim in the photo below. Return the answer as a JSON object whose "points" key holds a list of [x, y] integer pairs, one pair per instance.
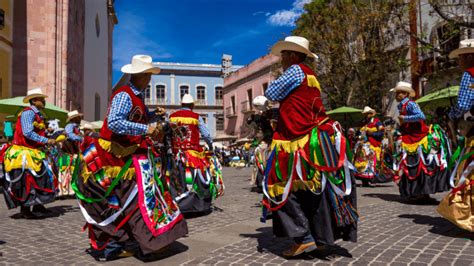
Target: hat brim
{"points": [[32, 96], [410, 91], [460, 51], [369, 112], [74, 116], [290, 46], [128, 69]]}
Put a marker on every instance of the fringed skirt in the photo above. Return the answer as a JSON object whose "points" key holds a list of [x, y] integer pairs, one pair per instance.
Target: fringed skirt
{"points": [[373, 164]]}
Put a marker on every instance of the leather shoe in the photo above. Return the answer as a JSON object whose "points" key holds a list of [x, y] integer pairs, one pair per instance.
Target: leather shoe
{"points": [[41, 209], [298, 249]]}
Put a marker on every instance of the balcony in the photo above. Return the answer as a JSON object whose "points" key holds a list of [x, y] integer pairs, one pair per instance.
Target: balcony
{"points": [[229, 112], [201, 102], [219, 102], [150, 101], [246, 107]]}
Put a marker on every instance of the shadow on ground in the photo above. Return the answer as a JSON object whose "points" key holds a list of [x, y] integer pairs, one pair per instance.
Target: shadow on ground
{"points": [[439, 226], [399, 199], [268, 243], [56, 211], [166, 252]]}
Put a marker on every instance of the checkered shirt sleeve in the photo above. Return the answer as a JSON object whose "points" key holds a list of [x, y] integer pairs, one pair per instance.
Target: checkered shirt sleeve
{"points": [[205, 132], [414, 113], [27, 119], [286, 83], [465, 97], [70, 132], [118, 117]]}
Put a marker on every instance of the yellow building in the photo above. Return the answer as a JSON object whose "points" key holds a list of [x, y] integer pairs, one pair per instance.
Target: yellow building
{"points": [[6, 20]]}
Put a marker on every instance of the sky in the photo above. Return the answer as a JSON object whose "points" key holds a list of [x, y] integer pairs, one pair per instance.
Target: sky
{"points": [[200, 31]]}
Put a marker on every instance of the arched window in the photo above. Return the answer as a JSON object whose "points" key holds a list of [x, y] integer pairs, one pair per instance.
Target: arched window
{"points": [[201, 94], [97, 107], [183, 89], [160, 93]]}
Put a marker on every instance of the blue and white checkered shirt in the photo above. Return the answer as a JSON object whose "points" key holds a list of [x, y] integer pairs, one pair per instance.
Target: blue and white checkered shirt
{"points": [[119, 111], [465, 97], [205, 134], [280, 88], [414, 113], [27, 118], [70, 132]]}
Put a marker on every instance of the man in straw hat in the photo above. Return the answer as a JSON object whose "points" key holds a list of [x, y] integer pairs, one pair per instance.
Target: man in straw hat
{"points": [[120, 185], [70, 150], [420, 171], [366, 164], [198, 181], [307, 184], [453, 206], [26, 164]]}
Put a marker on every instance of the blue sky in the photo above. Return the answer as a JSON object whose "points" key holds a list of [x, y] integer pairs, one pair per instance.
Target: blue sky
{"points": [[200, 31]]}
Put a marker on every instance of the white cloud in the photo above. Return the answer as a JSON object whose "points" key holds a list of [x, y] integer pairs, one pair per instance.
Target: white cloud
{"points": [[288, 17], [131, 38]]}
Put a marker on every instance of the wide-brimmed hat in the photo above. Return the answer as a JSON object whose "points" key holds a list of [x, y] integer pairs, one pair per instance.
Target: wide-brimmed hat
{"points": [[465, 47], [73, 114], [187, 98], [367, 109], [404, 86], [140, 64], [87, 125], [34, 93], [293, 43]]}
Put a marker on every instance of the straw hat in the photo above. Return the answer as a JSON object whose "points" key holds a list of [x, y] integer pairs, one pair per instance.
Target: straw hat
{"points": [[87, 125], [260, 102], [293, 43], [187, 98], [367, 109], [404, 86], [465, 47], [140, 64], [34, 93], [73, 114]]}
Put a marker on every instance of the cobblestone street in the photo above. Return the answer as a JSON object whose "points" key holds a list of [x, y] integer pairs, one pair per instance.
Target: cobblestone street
{"points": [[390, 232]]}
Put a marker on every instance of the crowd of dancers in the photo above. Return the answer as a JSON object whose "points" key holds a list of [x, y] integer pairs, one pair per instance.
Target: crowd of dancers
{"points": [[144, 172]]}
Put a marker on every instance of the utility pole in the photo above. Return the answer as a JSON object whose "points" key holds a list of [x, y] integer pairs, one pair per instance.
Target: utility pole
{"points": [[415, 64]]}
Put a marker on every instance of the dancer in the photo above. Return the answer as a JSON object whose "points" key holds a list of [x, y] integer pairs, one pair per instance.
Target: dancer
{"points": [[123, 197], [29, 179], [423, 166], [308, 183], [199, 180]]}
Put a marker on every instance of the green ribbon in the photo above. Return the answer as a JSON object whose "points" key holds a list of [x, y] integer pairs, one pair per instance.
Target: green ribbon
{"points": [[109, 190]]}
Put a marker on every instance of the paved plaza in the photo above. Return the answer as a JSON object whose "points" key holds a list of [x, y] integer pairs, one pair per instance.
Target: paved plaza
{"points": [[390, 232]]}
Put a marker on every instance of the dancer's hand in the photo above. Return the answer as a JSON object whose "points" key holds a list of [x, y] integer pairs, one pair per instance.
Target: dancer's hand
{"points": [[51, 141], [160, 111], [401, 118]]}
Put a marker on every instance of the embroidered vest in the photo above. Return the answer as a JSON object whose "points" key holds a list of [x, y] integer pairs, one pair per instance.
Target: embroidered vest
{"points": [[375, 141], [412, 132], [301, 110], [138, 114], [38, 127], [184, 124]]}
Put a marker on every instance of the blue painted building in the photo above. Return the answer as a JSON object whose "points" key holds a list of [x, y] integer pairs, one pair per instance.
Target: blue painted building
{"points": [[203, 81]]}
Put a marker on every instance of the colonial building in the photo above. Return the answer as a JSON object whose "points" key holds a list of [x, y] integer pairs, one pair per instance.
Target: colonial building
{"points": [[6, 44], [239, 90], [203, 81], [65, 47]]}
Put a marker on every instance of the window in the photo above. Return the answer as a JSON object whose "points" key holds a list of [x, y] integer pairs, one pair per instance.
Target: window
{"points": [[97, 25], [204, 119], [250, 98], [219, 121], [201, 93], [160, 92], [218, 93], [183, 89], [148, 92], [97, 107], [232, 102], [265, 87]]}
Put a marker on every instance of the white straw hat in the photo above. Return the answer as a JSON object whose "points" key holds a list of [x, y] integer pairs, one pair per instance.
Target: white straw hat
{"points": [[34, 93], [73, 114], [140, 64], [367, 109], [465, 47], [260, 102], [187, 98], [293, 43], [404, 86]]}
